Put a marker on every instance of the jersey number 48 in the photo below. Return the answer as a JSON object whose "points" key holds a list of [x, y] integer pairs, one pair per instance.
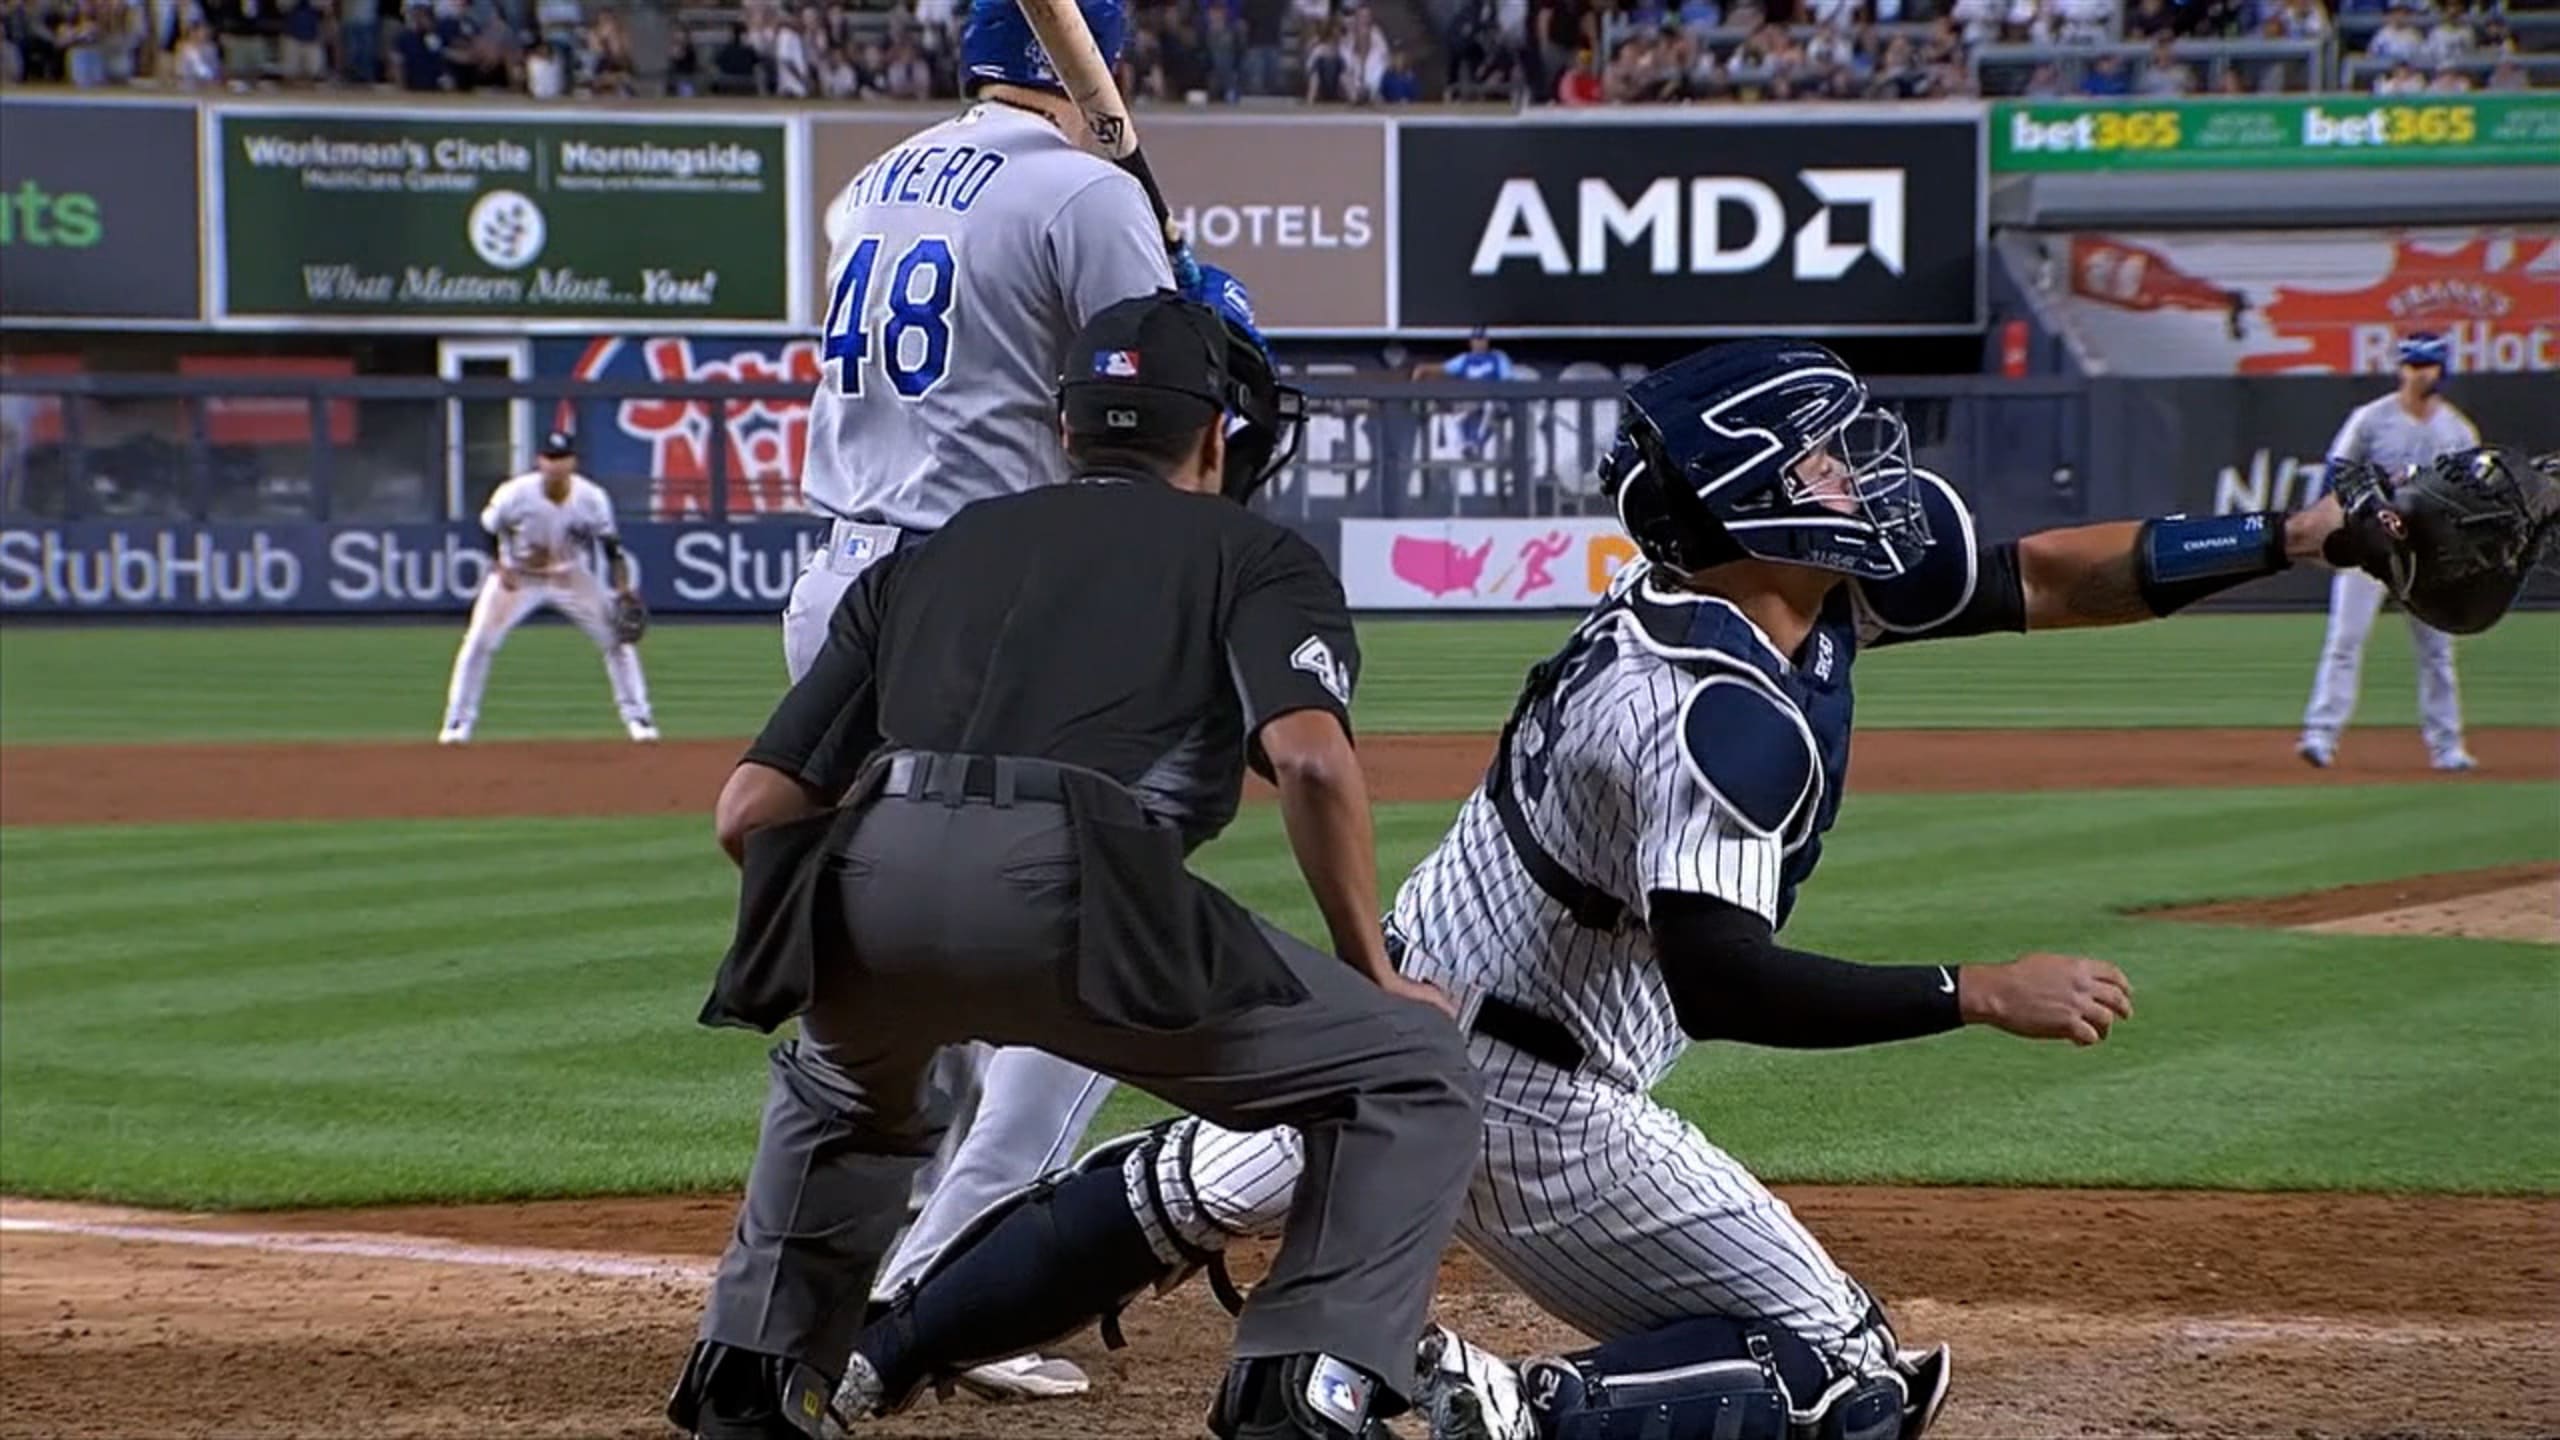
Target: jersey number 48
{"points": [[914, 340]]}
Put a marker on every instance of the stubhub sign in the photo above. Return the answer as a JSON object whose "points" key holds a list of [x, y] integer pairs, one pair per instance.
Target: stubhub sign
{"points": [[108, 568]]}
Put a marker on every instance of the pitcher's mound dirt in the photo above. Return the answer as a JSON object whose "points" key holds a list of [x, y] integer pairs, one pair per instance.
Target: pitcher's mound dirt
{"points": [[2072, 1313], [134, 784], [2504, 902]]}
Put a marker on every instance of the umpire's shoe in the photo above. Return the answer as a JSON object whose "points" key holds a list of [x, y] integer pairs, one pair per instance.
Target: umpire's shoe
{"points": [[1295, 1397], [731, 1394]]}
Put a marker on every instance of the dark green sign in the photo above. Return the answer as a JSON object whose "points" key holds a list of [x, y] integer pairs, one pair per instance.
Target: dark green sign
{"points": [[97, 212], [339, 216], [2271, 134]]}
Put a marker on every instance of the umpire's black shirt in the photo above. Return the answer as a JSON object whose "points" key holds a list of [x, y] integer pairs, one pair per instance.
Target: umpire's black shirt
{"points": [[1117, 624]]}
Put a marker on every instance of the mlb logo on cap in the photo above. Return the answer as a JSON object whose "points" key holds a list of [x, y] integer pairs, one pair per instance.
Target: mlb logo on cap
{"points": [[1116, 364]]}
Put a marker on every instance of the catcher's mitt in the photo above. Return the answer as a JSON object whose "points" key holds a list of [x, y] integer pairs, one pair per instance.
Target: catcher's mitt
{"points": [[630, 617], [2453, 539]]}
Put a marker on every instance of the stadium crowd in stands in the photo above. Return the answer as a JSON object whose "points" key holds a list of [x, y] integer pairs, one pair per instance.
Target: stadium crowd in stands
{"points": [[1571, 52]]}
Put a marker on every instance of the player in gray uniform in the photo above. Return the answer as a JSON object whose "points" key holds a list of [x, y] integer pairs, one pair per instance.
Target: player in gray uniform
{"points": [[1611, 894], [2401, 431], [961, 262]]}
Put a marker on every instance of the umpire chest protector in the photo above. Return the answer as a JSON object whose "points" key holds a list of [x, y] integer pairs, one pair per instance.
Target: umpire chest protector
{"points": [[1000, 662]]}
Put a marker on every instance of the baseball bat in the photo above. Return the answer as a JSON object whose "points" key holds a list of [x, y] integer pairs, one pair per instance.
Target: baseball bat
{"points": [[1087, 81]]}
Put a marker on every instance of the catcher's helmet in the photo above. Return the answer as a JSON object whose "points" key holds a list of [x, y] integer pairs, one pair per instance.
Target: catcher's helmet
{"points": [[1706, 468], [998, 45]]}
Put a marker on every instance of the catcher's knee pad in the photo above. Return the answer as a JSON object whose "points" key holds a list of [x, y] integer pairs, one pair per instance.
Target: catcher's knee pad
{"points": [[1710, 1378], [1203, 1187], [1194, 1190]]}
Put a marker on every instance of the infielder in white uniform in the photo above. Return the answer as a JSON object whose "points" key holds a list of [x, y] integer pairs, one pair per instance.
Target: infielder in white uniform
{"points": [[2401, 431], [1611, 894], [961, 262], [547, 524]]}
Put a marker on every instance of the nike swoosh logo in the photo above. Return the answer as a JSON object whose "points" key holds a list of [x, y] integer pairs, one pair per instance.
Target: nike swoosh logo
{"points": [[1946, 981]]}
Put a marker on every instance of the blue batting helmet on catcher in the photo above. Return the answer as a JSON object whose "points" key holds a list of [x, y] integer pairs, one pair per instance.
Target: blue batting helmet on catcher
{"points": [[998, 45]]}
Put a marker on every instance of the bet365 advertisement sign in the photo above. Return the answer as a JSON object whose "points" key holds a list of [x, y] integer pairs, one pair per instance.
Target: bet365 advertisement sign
{"points": [[2459, 129], [98, 212], [511, 221]]}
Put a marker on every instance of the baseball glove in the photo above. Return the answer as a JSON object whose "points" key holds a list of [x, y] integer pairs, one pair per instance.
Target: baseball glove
{"points": [[2453, 539], [630, 617]]}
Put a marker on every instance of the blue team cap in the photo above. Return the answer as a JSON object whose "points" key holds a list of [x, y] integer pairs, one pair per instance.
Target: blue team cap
{"points": [[2425, 348]]}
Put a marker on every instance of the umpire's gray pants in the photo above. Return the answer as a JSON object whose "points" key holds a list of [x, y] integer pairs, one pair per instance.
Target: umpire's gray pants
{"points": [[962, 926]]}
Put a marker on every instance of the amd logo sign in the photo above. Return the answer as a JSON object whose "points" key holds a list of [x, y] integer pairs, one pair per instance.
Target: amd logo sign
{"points": [[1728, 225], [1694, 224]]}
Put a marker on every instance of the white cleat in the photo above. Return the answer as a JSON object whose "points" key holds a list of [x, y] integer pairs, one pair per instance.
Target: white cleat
{"points": [[1470, 1394], [1025, 1377], [642, 732], [454, 735], [2454, 760], [2318, 754]]}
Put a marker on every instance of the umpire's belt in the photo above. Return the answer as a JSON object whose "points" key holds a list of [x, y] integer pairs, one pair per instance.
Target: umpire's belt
{"points": [[1156, 948], [1004, 781], [1523, 1029]]}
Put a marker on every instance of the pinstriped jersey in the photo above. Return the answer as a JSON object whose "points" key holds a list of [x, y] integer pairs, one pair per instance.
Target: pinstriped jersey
{"points": [[1669, 747]]}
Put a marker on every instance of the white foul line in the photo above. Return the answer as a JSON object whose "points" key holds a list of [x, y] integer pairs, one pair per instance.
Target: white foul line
{"points": [[433, 1252]]}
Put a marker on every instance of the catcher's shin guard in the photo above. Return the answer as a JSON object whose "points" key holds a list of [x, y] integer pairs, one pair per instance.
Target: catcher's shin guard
{"points": [[1712, 1378], [1031, 1270]]}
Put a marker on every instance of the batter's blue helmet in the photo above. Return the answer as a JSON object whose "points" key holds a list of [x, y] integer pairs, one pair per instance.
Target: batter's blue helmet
{"points": [[1266, 417], [998, 44], [2425, 348], [1710, 449]]}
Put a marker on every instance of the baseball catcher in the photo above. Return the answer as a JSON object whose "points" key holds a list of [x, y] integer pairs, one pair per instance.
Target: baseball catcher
{"points": [[2453, 539], [1616, 891]]}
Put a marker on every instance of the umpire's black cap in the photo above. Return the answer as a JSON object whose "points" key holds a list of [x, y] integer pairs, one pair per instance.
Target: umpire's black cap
{"points": [[1153, 364], [558, 443]]}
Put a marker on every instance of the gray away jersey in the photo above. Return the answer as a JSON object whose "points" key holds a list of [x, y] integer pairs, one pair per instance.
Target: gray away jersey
{"points": [[2387, 435], [959, 265]]}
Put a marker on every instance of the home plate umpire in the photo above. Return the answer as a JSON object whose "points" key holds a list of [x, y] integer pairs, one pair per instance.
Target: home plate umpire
{"points": [[969, 821]]}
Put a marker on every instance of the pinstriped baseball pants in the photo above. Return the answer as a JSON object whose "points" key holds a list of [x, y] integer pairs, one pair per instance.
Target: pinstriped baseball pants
{"points": [[1610, 1211]]}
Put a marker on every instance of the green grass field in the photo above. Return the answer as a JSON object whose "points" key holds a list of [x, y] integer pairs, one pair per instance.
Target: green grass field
{"points": [[100, 685], [266, 1015]]}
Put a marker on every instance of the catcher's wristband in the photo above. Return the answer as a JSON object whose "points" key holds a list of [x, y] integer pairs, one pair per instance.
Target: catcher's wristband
{"points": [[2179, 561]]}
